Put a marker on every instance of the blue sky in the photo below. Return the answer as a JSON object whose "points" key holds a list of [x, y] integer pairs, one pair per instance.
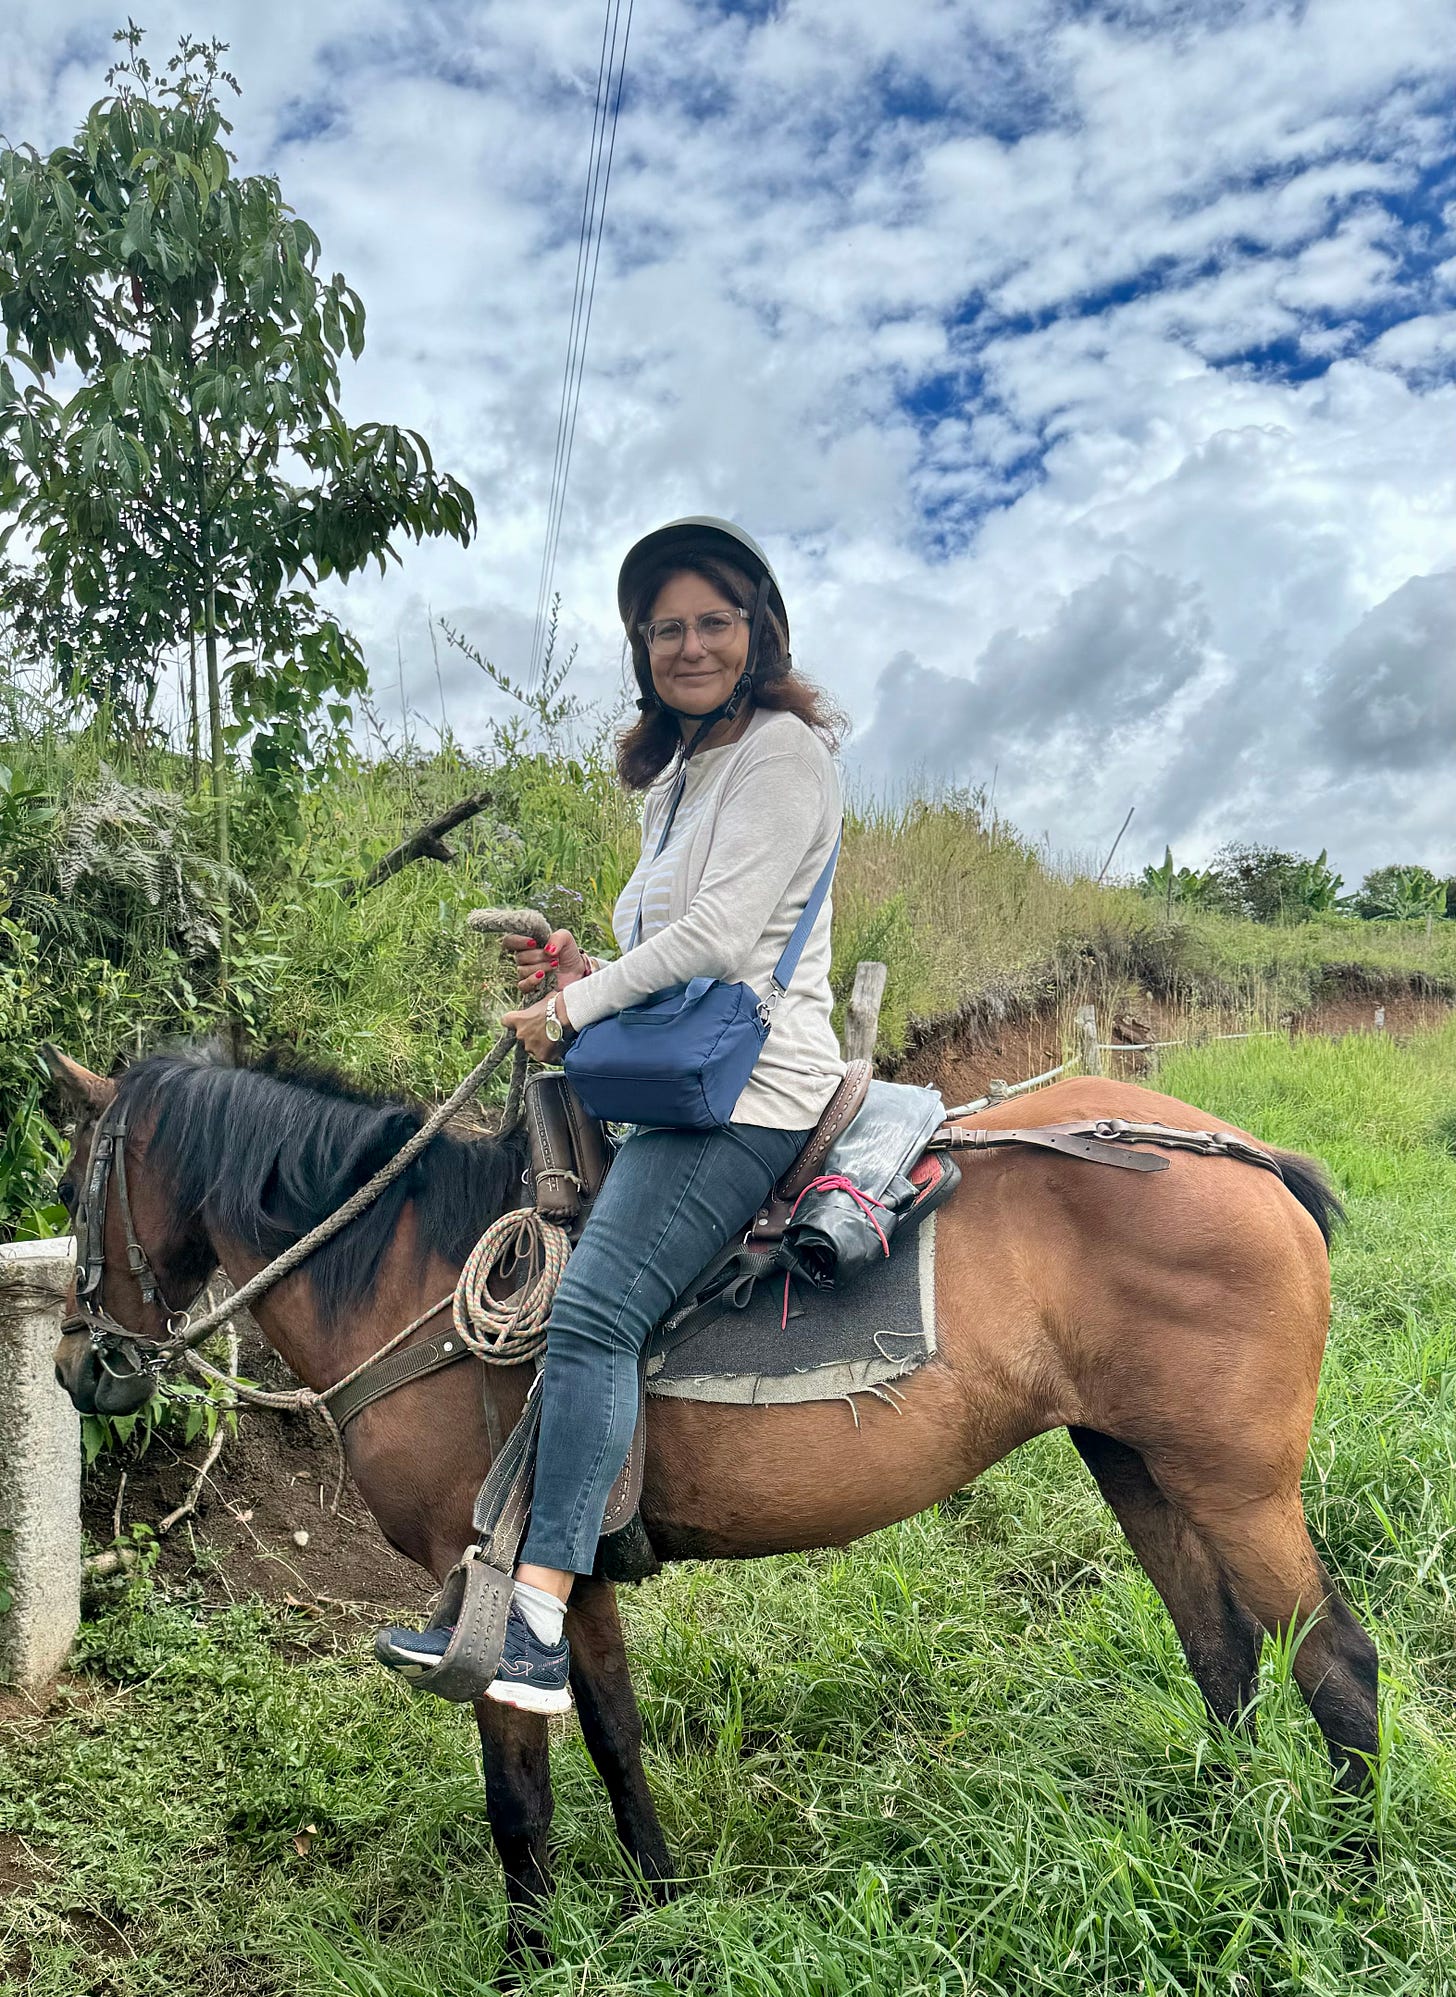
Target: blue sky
{"points": [[1088, 369]]}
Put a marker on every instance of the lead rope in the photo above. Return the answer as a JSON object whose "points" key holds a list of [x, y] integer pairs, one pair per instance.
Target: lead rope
{"points": [[307, 1400], [507, 1331], [499, 1335]]}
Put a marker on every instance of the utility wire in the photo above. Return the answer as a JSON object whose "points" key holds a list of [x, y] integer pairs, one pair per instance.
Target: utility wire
{"points": [[611, 73], [599, 106], [590, 297]]}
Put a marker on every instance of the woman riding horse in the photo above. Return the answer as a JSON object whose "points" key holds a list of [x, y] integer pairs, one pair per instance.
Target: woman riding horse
{"points": [[742, 813]]}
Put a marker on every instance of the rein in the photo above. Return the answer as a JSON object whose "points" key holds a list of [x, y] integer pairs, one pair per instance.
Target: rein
{"points": [[156, 1357]]}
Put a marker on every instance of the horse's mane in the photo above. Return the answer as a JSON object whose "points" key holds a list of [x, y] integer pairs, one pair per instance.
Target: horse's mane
{"points": [[265, 1151]]}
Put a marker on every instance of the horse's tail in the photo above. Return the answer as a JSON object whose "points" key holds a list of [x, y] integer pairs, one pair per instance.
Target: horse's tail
{"points": [[1310, 1185]]}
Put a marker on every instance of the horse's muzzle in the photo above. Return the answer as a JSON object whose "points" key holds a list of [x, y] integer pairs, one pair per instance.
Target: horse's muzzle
{"points": [[109, 1381]]}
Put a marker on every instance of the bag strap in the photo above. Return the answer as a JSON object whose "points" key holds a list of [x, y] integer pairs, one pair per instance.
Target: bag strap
{"points": [[793, 950], [682, 778]]}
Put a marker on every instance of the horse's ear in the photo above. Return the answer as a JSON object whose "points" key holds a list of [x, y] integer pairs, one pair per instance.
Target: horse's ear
{"points": [[86, 1090]]}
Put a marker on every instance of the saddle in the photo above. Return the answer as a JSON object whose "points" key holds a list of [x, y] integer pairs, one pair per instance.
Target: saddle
{"points": [[798, 1230]]}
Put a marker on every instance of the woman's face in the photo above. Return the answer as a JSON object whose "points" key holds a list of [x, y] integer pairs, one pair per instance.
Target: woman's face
{"points": [[689, 674]]}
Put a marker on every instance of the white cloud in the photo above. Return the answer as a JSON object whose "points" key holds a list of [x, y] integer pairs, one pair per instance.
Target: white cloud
{"points": [[1089, 369]]}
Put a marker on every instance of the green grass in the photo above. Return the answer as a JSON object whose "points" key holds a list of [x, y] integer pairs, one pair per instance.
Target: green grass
{"points": [[963, 1756]]}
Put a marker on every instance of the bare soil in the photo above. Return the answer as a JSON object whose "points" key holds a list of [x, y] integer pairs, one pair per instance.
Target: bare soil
{"points": [[274, 1480], [21, 1868]]}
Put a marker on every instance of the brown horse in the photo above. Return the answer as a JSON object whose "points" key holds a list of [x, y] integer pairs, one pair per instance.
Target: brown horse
{"points": [[1172, 1322]]}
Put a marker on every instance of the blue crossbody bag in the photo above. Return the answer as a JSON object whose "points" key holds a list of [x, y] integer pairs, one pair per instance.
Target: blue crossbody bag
{"points": [[681, 1059]]}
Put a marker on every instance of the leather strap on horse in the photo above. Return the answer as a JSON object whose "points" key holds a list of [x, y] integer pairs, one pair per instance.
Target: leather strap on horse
{"points": [[1098, 1142], [384, 1375]]}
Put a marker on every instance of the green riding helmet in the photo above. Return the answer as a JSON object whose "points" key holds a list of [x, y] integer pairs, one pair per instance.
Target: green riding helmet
{"points": [[705, 536]]}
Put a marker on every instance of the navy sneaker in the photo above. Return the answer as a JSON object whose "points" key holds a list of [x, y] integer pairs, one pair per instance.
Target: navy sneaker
{"points": [[531, 1675]]}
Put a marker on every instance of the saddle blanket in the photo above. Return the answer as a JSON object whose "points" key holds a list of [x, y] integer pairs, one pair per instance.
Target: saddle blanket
{"points": [[867, 1334]]}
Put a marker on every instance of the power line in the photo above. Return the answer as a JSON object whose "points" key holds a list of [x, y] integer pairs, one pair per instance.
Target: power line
{"points": [[611, 72], [590, 298], [599, 106]]}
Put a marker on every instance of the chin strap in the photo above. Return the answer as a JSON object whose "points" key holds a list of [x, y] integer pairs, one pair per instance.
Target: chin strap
{"points": [[742, 688]]}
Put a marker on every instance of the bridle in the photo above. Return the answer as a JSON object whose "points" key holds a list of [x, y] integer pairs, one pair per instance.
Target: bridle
{"points": [[120, 1351]]}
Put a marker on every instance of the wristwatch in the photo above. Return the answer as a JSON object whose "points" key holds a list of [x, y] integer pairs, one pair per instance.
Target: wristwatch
{"points": [[555, 1029]]}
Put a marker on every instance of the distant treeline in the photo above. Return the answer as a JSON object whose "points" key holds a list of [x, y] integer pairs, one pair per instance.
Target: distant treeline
{"points": [[1266, 884]]}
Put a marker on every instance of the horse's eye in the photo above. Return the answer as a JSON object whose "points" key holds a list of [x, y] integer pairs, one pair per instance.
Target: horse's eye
{"points": [[66, 1192]]}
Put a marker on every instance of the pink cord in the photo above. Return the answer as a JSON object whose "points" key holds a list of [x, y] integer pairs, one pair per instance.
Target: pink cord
{"points": [[836, 1182]]}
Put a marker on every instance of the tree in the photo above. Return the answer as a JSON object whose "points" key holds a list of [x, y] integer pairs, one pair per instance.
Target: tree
{"points": [[201, 481], [1268, 885], [1400, 894]]}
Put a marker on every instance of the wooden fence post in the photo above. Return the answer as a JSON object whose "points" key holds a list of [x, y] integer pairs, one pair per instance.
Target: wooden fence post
{"points": [[862, 1020], [1087, 1029], [40, 1469]]}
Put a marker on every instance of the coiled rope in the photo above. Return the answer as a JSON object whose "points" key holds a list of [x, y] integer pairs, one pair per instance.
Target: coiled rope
{"points": [[507, 1331]]}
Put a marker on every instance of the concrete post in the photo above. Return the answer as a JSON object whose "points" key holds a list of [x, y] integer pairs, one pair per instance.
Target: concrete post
{"points": [[40, 1468]]}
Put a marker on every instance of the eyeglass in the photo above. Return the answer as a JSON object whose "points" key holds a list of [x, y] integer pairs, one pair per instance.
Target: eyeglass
{"points": [[714, 628]]}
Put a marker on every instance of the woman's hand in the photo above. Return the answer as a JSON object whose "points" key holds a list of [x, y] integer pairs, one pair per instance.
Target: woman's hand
{"points": [[560, 953], [529, 1027]]}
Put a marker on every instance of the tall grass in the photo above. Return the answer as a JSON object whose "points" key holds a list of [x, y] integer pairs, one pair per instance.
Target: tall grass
{"points": [[964, 1756]]}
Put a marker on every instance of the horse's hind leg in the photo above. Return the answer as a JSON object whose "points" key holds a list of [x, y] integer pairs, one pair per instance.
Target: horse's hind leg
{"points": [[612, 1726], [518, 1802], [1220, 1638], [1265, 1545]]}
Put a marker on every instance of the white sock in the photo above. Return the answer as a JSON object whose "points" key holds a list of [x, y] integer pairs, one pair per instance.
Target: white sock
{"points": [[544, 1614]]}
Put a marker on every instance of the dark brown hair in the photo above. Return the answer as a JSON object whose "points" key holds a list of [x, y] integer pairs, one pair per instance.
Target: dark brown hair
{"points": [[648, 745]]}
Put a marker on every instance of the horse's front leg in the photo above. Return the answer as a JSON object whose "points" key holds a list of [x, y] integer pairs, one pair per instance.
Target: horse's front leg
{"points": [[518, 1802], [611, 1725]]}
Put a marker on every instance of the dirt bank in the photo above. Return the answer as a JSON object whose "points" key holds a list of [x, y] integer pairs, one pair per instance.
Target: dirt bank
{"points": [[274, 1481], [963, 1059]]}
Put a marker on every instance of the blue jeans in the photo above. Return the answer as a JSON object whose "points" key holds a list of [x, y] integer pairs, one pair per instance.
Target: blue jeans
{"points": [[672, 1199]]}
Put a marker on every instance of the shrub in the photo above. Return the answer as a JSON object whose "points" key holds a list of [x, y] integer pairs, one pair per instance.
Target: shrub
{"points": [[1400, 894], [1268, 885], [1184, 885]]}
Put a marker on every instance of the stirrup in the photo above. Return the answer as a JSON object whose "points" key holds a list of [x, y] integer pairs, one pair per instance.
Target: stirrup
{"points": [[475, 1602]]}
